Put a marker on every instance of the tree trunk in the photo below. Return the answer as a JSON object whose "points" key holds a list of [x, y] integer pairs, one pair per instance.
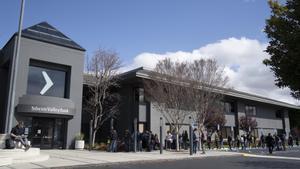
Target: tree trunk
{"points": [[94, 137], [177, 138]]}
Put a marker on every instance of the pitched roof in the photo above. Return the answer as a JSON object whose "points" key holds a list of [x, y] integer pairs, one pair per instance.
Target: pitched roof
{"points": [[47, 33]]}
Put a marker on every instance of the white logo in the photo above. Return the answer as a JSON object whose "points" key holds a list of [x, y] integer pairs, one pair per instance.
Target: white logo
{"points": [[48, 84]]}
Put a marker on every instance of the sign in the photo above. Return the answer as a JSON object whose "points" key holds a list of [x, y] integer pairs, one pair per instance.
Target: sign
{"points": [[48, 84], [49, 109]]}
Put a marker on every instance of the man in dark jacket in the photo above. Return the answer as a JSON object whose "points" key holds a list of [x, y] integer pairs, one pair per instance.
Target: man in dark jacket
{"points": [[270, 142], [127, 140], [17, 134]]}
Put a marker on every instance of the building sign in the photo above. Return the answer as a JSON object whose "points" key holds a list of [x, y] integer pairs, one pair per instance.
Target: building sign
{"points": [[46, 110], [51, 110]]}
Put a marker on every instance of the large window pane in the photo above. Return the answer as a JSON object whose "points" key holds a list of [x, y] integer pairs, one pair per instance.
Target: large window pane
{"points": [[36, 81]]}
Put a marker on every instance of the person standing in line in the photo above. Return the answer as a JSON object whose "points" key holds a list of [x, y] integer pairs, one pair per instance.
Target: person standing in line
{"points": [[229, 140], [217, 140], [209, 141], [221, 141], [127, 140], [262, 141], [195, 141], [290, 141], [168, 140], [238, 141], [114, 139], [185, 138], [282, 138], [270, 143], [297, 141]]}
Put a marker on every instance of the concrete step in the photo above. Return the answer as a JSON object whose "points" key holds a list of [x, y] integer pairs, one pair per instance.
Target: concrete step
{"points": [[30, 159], [5, 161], [19, 153]]}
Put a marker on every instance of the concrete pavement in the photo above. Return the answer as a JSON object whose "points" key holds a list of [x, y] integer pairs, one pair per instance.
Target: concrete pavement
{"points": [[63, 158]]}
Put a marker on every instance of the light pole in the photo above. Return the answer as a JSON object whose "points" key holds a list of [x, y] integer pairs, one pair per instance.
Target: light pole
{"points": [[191, 136], [13, 78], [160, 135], [135, 133]]}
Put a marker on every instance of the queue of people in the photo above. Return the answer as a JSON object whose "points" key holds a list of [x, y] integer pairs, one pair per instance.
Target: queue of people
{"points": [[148, 141]]}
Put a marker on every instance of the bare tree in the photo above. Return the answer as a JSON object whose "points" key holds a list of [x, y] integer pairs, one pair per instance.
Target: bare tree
{"points": [[247, 123], [207, 81], [101, 102], [168, 93]]}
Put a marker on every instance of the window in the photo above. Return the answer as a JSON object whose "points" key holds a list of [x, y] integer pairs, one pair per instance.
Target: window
{"points": [[250, 110], [279, 114], [37, 75], [229, 107]]}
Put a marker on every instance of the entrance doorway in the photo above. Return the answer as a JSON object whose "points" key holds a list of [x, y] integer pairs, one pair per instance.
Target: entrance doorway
{"points": [[48, 133]]}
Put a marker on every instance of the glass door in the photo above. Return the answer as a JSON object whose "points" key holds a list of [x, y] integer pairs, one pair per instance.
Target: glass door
{"points": [[42, 132]]}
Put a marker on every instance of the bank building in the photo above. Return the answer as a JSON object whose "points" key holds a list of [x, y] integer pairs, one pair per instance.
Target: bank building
{"points": [[50, 85]]}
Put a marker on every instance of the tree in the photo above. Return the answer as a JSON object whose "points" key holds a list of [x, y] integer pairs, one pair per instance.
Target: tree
{"points": [[283, 30], [247, 123], [182, 89], [168, 93], [207, 81], [101, 102]]}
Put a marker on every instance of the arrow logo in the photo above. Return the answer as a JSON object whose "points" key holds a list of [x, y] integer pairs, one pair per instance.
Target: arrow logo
{"points": [[48, 84]]}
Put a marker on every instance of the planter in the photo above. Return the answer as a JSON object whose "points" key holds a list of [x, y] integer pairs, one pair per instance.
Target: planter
{"points": [[79, 144]]}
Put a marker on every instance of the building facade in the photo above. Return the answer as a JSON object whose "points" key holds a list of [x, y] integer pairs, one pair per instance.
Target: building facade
{"points": [[50, 89], [272, 116], [48, 92]]}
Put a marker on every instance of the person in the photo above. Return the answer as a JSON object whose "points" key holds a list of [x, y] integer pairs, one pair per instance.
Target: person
{"points": [[297, 141], [185, 138], [243, 142], [127, 140], [238, 142], [156, 142], [229, 139], [209, 141], [262, 141], [17, 135], [139, 141], [290, 141], [276, 141], [221, 141], [169, 140], [282, 138], [114, 139], [217, 140], [270, 143], [195, 141]]}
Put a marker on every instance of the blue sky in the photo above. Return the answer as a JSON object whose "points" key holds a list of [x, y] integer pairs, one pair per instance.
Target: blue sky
{"points": [[145, 31], [134, 26]]}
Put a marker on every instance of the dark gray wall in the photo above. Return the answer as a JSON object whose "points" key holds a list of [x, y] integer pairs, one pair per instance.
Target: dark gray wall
{"points": [[32, 49]]}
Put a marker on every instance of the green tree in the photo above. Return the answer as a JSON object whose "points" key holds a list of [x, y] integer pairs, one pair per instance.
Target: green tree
{"points": [[283, 30]]}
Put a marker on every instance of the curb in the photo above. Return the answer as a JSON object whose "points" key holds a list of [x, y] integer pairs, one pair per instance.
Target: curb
{"points": [[270, 157]]}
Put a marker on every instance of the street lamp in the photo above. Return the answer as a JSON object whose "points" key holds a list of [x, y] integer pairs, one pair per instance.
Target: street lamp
{"points": [[135, 133], [160, 135]]}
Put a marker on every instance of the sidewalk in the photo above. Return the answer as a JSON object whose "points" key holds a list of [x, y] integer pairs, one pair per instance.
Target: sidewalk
{"points": [[63, 158]]}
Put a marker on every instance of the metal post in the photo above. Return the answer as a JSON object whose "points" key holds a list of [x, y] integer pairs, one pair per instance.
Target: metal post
{"points": [[160, 135], [13, 78], [91, 135], [191, 136], [135, 133]]}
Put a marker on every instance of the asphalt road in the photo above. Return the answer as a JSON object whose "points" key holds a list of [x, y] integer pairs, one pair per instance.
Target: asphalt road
{"points": [[233, 162]]}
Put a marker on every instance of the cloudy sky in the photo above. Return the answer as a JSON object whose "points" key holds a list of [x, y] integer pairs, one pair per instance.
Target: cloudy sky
{"points": [[145, 31]]}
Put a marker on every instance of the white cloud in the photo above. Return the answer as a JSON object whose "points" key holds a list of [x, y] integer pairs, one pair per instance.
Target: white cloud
{"points": [[241, 58]]}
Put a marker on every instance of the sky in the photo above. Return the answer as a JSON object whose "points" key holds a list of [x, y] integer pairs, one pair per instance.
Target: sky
{"points": [[145, 31]]}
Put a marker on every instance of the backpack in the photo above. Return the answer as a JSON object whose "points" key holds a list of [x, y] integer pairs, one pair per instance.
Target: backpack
{"points": [[9, 144]]}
